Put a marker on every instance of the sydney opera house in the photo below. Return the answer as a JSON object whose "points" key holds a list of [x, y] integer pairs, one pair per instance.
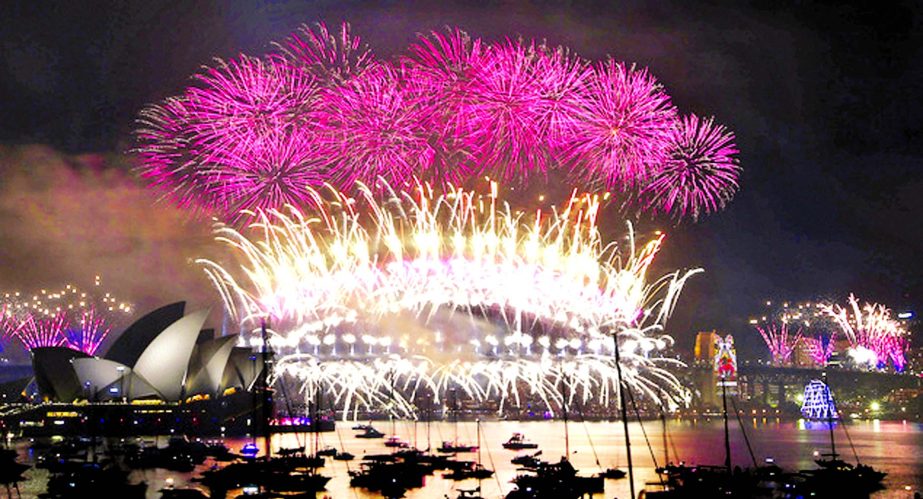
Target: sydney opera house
{"points": [[164, 374]]}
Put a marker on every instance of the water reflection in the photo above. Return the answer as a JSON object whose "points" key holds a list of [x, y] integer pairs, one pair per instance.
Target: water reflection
{"points": [[895, 447]]}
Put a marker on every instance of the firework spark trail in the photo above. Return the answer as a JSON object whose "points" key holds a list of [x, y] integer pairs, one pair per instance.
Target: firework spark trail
{"points": [[438, 78], [9, 323], [700, 174], [44, 332], [168, 161], [821, 348], [780, 342], [247, 98], [43, 318], [625, 126], [275, 169], [871, 327], [238, 139], [368, 129], [525, 97], [332, 57], [89, 333], [452, 110], [417, 262]]}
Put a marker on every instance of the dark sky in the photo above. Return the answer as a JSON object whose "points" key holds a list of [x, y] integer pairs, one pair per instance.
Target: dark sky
{"points": [[825, 101]]}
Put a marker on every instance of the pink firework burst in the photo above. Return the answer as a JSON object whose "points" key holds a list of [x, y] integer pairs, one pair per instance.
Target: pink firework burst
{"points": [[526, 97], [504, 112], [260, 132], [88, 334], [780, 342], [230, 137], [624, 127], [700, 173], [265, 172], [248, 98], [45, 332], [168, 159], [369, 129], [562, 94], [333, 57], [438, 79]]}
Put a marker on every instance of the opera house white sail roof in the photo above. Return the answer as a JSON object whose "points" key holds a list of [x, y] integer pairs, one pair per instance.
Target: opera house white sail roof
{"points": [[176, 362]]}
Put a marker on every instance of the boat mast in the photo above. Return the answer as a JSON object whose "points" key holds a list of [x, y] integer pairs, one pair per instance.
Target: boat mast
{"points": [[479, 440], [391, 402], [727, 435], [829, 415], [566, 433], [622, 388], [267, 399], [663, 431]]}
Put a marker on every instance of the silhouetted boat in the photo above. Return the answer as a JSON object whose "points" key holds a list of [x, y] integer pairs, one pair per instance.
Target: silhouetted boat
{"points": [[527, 460], [476, 470], [518, 442], [613, 474], [389, 478], [396, 442], [558, 480], [328, 451], [469, 493], [370, 432], [93, 480], [455, 447], [836, 475], [274, 474], [182, 493]]}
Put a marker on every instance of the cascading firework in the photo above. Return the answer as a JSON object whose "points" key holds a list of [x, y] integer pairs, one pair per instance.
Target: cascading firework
{"points": [[424, 293]]}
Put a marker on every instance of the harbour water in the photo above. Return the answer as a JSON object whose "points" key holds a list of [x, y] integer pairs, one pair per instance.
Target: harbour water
{"points": [[895, 447]]}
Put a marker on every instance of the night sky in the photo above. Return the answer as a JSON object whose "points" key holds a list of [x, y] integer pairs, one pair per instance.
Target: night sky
{"points": [[825, 101]]}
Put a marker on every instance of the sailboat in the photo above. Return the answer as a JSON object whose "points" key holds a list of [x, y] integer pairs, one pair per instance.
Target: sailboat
{"points": [[269, 474], [477, 470], [454, 446], [836, 474], [558, 480]]}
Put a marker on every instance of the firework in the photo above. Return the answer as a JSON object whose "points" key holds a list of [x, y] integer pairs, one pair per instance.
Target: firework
{"points": [[88, 334], [65, 317], [272, 170], [332, 57], [700, 173], [9, 323], [438, 78], [525, 99], [236, 140], [821, 348], [168, 159], [43, 332], [257, 133], [870, 329], [368, 129], [624, 129], [450, 291], [781, 344], [239, 100]]}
